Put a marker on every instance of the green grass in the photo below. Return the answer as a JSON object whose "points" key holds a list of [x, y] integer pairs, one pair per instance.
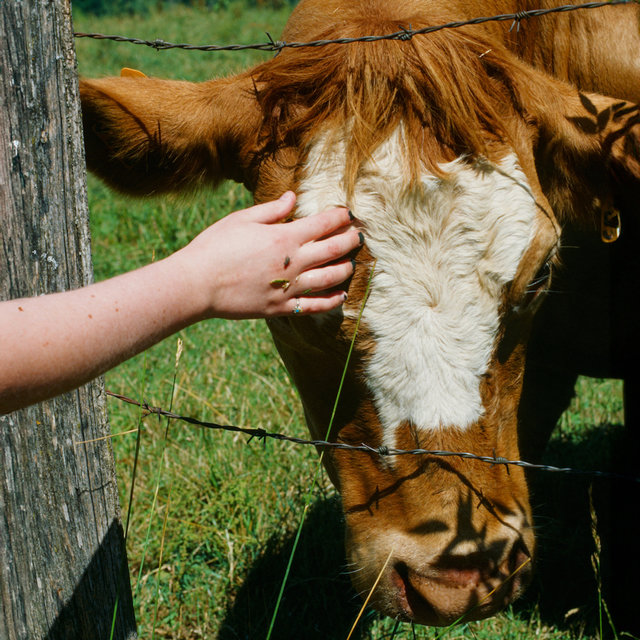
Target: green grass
{"points": [[234, 507]]}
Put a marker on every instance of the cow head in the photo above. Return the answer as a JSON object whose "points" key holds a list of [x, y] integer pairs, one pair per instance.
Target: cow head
{"points": [[460, 164]]}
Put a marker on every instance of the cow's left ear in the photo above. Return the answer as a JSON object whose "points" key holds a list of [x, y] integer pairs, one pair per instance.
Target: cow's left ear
{"points": [[587, 146], [146, 136]]}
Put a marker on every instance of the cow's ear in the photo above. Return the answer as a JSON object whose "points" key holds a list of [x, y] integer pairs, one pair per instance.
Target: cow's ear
{"points": [[146, 136], [587, 149], [127, 72]]}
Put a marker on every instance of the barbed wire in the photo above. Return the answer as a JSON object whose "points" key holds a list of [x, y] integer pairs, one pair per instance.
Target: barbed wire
{"points": [[403, 34], [263, 434]]}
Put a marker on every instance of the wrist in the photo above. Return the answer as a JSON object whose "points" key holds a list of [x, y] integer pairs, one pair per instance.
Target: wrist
{"points": [[190, 291]]}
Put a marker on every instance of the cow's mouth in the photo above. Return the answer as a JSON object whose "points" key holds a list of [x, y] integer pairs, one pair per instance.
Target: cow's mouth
{"points": [[459, 590]]}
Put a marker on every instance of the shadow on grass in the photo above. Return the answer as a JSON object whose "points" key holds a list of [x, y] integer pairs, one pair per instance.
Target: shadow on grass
{"points": [[565, 588], [318, 601]]}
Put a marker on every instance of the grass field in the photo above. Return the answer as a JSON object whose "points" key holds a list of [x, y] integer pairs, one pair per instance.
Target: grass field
{"points": [[212, 518]]}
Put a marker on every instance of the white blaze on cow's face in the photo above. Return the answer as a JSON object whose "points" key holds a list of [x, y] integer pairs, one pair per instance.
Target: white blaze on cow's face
{"points": [[444, 250]]}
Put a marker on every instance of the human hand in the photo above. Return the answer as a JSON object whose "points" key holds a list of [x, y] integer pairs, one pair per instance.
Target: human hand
{"points": [[247, 265]]}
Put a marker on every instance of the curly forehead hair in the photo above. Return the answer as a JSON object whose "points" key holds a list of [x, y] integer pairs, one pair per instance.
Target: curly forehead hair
{"points": [[365, 91]]}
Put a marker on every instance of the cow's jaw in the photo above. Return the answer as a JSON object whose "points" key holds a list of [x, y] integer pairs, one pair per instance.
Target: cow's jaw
{"points": [[445, 250]]}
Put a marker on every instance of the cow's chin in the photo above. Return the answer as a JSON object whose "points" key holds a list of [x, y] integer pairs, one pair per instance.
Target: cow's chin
{"points": [[439, 591]]}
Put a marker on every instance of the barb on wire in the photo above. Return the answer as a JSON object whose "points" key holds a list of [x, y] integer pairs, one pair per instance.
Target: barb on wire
{"points": [[403, 34], [263, 434]]}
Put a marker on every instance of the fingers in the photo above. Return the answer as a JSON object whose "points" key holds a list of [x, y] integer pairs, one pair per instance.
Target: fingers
{"points": [[323, 279], [314, 254], [304, 258], [300, 297], [306, 306], [273, 211], [311, 228], [322, 238], [316, 280], [323, 224]]}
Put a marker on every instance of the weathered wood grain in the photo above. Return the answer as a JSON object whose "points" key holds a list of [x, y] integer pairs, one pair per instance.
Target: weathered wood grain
{"points": [[62, 561]]}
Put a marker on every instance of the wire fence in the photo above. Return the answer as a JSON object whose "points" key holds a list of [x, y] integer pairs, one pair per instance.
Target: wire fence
{"points": [[262, 435], [403, 34]]}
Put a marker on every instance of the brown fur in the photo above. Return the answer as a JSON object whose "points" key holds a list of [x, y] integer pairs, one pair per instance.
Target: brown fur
{"points": [[376, 87], [148, 136], [479, 91]]}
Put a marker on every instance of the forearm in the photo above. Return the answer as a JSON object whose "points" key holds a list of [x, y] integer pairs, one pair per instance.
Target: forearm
{"points": [[244, 266], [54, 343]]}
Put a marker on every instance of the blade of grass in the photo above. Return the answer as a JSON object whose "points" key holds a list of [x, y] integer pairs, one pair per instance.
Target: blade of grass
{"points": [[595, 564], [125, 565], [321, 457], [164, 531], [111, 435], [159, 460], [373, 588], [595, 558]]}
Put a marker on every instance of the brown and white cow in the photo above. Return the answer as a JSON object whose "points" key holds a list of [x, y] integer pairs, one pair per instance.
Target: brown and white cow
{"points": [[463, 154]]}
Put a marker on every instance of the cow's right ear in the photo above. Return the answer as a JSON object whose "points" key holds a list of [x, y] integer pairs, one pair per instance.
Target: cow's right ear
{"points": [[587, 147], [145, 136]]}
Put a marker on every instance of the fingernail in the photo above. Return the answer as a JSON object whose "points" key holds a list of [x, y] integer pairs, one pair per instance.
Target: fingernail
{"points": [[351, 216], [361, 237], [353, 264], [345, 295]]}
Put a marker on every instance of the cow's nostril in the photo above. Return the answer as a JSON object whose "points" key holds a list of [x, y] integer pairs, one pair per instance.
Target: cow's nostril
{"points": [[520, 556], [519, 567]]}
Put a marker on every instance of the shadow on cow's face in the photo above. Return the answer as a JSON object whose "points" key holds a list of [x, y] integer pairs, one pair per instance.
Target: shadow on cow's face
{"points": [[437, 365], [454, 157], [447, 537], [462, 557], [454, 536]]}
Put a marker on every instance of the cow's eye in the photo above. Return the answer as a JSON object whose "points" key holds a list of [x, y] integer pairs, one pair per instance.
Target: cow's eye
{"points": [[541, 278], [538, 285]]}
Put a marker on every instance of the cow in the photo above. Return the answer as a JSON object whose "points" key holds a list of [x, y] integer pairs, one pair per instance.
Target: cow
{"points": [[464, 156]]}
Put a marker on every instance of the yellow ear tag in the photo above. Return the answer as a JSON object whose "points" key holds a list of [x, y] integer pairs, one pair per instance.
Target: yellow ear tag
{"points": [[610, 226], [131, 73]]}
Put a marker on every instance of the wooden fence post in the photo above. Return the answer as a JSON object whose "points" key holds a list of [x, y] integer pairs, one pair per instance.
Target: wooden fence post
{"points": [[63, 567]]}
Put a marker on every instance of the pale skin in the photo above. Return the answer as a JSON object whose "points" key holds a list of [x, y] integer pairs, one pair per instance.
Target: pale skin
{"points": [[237, 268]]}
